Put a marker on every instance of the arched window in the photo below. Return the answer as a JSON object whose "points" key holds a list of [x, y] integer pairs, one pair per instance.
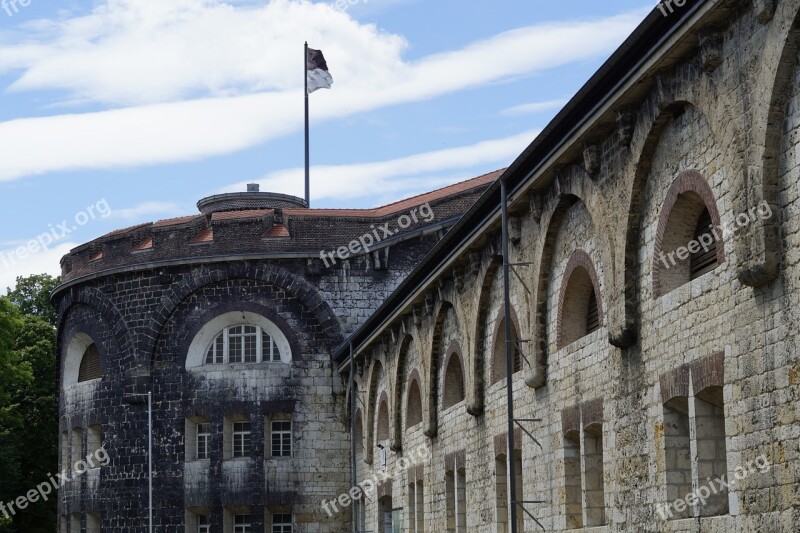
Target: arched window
{"points": [[413, 405], [82, 361], [580, 310], [453, 382], [244, 343], [703, 259], [686, 244], [499, 356], [382, 428], [238, 338], [579, 315], [90, 365]]}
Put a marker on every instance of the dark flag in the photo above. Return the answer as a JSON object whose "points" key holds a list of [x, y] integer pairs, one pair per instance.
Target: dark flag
{"points": [[317, 71]]}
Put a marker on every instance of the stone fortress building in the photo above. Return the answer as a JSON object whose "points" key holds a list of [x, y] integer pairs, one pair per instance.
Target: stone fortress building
{"points": [[654, 285]]}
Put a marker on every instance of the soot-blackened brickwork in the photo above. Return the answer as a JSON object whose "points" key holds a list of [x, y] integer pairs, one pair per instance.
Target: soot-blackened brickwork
{"points": [[143, 317]]}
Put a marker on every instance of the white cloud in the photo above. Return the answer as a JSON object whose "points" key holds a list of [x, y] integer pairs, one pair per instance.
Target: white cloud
{"points": [[534, 107], [398, 178], [146, 210], [245, 61], [44, 262]]}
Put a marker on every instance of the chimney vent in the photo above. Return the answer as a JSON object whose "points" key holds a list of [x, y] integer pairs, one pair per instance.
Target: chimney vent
{"points": [[253, 187]]}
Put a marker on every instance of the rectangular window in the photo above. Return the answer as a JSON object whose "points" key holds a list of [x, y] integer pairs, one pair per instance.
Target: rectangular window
{"points": [[712, 459], [250, 344], [94, 441], [241, 439], [65, 465], [76, 447], [242, 523], [281, 523], [677, 451], [203, 524], [93, 522], [420, 500], [572, 480], [282, 439], [593, 475], [203, 441]]}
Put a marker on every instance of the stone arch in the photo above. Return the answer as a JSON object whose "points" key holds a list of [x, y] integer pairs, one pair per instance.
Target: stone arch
{"points": [[375, 374], [476, 390], [295, 285], [689, 182], [498, 353], [413, 411], [400, 380], [453, 376], [759, 246], [95, 299], [578, 261], [434, 364], [382, 424], [672, 92], [576, 188]]}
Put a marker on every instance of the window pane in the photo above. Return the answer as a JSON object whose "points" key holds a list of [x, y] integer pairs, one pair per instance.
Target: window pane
{"points": [[241, 439], [281, 523], [203, 441], [235, 349]]}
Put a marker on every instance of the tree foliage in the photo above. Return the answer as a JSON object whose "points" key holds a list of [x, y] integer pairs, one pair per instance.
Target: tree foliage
{"points": [[28, 401]]}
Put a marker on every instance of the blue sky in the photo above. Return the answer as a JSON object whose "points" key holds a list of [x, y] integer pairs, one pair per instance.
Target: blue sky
{"points": [[151, 106]]}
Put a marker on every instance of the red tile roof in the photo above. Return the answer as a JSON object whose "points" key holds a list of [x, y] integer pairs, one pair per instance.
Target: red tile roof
{"points": [[147, 244], [279, 231], [175, 221], [207, 235], [235, 215]]}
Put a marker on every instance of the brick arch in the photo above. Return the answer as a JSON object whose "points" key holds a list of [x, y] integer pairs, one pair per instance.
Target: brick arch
{"points": [[434, 364], [414, 380], [758, 249], [400, 379], [499, 330], [685, 86], [95, 299], [476, 386], [455, 356], [375, 374], [689, 181], [578, 259], [293, 284]]}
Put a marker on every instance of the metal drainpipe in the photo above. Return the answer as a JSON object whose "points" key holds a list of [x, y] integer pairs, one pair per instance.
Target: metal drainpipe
{"points": [[512, 495], [351, 380]]}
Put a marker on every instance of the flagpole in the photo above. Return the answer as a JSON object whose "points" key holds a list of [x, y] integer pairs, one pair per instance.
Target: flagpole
{"points": [[308, 160]]}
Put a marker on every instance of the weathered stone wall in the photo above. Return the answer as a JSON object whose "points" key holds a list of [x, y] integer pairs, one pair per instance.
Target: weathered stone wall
{"points": [[726, 108], [143, 323]]}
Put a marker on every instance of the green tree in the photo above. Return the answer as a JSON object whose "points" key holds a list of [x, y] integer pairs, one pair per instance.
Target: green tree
{"points": [[32, 296], [28, 401]]}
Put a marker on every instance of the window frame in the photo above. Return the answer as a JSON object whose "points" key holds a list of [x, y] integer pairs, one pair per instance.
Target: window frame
{"points": [[245, 437], [212, 356], [283, 433]]}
